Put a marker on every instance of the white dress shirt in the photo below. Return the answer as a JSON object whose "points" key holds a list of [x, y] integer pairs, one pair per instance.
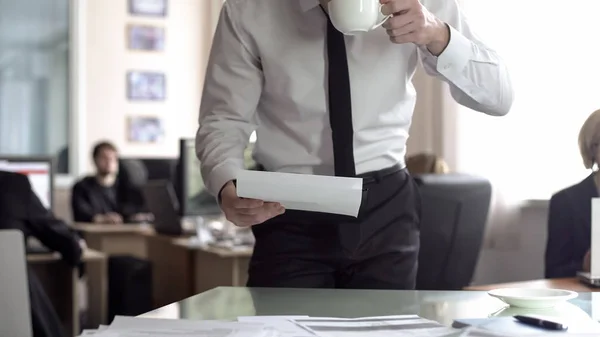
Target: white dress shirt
{"points": [[267, 73]]}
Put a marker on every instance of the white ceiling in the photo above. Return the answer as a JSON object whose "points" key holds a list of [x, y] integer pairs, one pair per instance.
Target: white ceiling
{"points": [[33, 22]]}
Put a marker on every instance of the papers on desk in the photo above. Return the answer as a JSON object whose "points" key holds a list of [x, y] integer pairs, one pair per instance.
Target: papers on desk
{"points": [[405, 325], [305, 192], [150, 327], [297, 326], [284, 325], [273, 326]]}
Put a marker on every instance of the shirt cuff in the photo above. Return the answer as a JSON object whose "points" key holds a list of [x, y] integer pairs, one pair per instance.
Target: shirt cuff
{"points": [[220, 176], [453, 60]]}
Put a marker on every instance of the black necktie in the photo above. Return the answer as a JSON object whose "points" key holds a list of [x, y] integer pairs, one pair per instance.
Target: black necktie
{"points": [[340, 103]]}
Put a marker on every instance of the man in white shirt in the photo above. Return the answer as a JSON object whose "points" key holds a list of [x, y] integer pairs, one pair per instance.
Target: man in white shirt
{"points": [[275, 67]]}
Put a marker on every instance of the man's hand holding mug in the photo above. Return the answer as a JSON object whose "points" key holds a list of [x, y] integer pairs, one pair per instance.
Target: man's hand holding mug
{"points": [[411, 22], [406, 21]]}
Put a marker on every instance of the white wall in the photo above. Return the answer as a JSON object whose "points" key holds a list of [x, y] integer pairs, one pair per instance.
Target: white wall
{"points": [[189, 27], [524, 258], [188, 32]]}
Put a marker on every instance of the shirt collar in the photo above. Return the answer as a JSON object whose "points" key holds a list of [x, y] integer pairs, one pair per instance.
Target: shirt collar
{"points": [[307, 5]]}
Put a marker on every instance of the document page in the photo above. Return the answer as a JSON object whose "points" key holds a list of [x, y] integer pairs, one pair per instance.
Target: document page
{"points": [[405, 325], [150, 327], [284, 325], [305, 192]]}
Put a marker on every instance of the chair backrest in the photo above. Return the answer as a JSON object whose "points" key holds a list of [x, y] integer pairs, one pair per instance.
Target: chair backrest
{"points": [[454, 212], [156, 168], [15, 313], [133, 171]]}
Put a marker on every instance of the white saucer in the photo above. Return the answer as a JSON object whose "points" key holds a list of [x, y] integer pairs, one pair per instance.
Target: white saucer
{"points": [[532, 298], [565, 310]]}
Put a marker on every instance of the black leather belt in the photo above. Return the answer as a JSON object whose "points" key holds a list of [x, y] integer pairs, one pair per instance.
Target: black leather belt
{"points": [[368, 177], [377, 176]]}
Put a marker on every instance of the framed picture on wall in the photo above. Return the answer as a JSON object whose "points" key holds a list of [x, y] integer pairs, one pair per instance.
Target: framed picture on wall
{"points": [[156, 8], [145, 129], [145, 37], [146, 86]]}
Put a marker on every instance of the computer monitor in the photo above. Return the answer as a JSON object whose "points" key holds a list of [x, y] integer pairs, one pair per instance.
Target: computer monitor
{"points": [[39, 170], [162, 202], [193, 197]]}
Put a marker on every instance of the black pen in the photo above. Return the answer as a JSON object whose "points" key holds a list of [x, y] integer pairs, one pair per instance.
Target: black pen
{"points": [[539, 322]]}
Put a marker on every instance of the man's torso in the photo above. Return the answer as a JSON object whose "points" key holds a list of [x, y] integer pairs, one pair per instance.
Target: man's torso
{"points": [[289, 39], [103, 199]]}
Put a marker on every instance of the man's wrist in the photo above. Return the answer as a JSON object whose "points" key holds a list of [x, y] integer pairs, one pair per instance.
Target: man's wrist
{"points": [[440, 40], [222, 188]]}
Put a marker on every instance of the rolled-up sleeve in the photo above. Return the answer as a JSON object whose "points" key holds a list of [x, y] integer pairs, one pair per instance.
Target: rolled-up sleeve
{"points": [[232, 89], [477, 76]]}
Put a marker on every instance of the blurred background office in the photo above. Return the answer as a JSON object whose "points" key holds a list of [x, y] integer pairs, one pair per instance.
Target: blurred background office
{"points": [[73, 73]]}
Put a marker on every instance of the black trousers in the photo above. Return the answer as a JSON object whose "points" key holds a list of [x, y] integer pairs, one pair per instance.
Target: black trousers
{"points": [[377, 250]]}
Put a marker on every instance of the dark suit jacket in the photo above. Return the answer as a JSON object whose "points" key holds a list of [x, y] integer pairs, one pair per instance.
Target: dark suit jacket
{"points": [[87, 200], [21, 209], [569, 229]]}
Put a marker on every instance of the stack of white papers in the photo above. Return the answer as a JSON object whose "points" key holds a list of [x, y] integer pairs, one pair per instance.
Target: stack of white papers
{"points": [[305, 192], [148, 327], [405, 325], [284, 325], [295, 326]]}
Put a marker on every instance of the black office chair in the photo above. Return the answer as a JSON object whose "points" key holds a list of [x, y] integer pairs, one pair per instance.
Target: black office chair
{"points": [[132, 177], [454, 212], [158, 168], [133, 171]]}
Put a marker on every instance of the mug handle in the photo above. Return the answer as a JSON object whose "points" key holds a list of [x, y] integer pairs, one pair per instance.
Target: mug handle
{"points": [[382, 18]]}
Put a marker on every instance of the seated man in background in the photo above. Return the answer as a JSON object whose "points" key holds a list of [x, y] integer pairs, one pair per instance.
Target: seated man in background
{"points": [[570, 213], [21, 209], [108, 196]]}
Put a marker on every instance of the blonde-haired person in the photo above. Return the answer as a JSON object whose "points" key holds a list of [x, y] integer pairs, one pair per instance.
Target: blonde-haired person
{"points": [[426, 163], [569, 218]]}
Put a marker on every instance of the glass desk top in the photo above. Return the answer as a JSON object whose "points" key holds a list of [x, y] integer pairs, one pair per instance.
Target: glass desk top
{"points": [[442, 306]]}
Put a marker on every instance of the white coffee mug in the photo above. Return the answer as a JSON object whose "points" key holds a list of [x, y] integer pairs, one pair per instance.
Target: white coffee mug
{"points": [[356, 16]]}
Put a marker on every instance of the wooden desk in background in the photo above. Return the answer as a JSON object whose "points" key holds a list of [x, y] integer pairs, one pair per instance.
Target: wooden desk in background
{"points": [[126, 239], [217, 267], [179, 269], [60, 283], [182, 269], [572, 284]]}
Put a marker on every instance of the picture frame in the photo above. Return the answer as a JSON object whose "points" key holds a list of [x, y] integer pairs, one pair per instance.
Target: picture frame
{"points": [[153, 8], [146, 86], [145, 38], [145, 129]]}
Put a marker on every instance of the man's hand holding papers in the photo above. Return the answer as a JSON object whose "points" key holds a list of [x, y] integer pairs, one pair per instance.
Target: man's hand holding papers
{"points": [[245, 212]]}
